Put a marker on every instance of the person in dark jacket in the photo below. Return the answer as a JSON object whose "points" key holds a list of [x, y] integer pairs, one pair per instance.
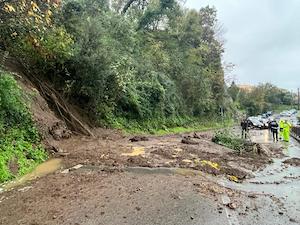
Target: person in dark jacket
{"points": [[274, 128], [245, 124]]}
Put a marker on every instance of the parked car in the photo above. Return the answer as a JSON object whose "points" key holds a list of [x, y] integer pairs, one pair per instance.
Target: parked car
{"points": [[269, 113], [286, 113], [265, 123], [255, 123], [265, 116]]}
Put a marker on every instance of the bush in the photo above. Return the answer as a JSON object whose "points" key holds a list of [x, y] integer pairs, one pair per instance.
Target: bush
{"points": [[229, 140], [19, 139]]}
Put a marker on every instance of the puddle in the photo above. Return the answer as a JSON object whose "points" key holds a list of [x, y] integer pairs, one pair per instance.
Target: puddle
{"points": [[135, 152], [262, 137], [41, 170]]}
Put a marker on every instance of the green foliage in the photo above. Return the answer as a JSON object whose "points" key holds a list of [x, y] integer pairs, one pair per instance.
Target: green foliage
{"points": [[154, 62], [19, 139], [161, 126], [262, 98], [23, 19], [229, 140]]}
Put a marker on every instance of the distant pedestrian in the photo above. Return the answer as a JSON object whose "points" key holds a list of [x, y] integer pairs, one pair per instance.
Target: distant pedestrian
{"points": [[274, 129], [245, 128]]}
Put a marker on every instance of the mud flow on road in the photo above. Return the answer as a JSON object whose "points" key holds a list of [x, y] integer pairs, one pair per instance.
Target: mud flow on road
{"points": [[279, 180], [110, 180]]}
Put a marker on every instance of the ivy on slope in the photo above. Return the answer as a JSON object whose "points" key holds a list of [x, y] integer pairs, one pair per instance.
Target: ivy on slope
{"points": [[20, 149]]}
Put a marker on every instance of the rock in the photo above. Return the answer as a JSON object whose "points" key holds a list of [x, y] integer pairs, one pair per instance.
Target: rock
{"points": [[252, 196], [231, 205], [62, 154], [60, 131], [189, 141], [196, 136], [25, 189], [65, 171], [220, 208], [138, 138], [263, 150], [76, 167], [187, 161]]}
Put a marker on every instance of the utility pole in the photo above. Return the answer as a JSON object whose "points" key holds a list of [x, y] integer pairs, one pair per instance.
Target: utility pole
{"points": [[298, 98]]}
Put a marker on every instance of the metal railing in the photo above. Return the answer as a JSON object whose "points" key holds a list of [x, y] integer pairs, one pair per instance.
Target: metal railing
{"points": [[296, 131]]}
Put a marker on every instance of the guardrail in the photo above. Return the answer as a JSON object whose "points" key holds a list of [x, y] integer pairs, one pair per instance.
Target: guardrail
{"points": [[296, 132]]}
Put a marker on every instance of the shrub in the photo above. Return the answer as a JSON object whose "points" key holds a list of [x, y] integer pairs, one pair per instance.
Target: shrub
{"points": [[229, 140], [19, 139]]}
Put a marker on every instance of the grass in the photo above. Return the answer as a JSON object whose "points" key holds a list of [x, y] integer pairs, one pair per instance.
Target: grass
{"points": [[171, 126], [195, 127]]}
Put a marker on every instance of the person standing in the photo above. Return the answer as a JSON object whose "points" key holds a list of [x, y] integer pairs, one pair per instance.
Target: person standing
{"points": [[286, 131], [281, 124], [274, 129], [245, 127]]}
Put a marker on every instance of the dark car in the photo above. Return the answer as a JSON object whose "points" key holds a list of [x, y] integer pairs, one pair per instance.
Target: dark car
{"points": [[255, 123]]}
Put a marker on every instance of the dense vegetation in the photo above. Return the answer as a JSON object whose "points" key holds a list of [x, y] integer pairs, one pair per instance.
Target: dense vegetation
{"points": [[261, 98], [141, 63], [229, 140], [19, 140]]}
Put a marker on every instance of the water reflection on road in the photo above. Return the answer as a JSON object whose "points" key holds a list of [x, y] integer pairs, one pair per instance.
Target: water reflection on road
{"points": [[277, 179]]}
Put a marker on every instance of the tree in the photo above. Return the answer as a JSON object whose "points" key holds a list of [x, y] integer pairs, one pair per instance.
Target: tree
{"points": [[24, 19], [233, 91]]}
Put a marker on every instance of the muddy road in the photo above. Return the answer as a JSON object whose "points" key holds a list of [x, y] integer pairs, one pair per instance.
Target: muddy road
{"points": [[158, 180]]}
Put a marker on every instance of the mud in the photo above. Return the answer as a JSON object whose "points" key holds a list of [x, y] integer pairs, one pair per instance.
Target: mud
{"points": [[138, 138], [293, 162], [93, 197], [162, 151], [114, 171]]}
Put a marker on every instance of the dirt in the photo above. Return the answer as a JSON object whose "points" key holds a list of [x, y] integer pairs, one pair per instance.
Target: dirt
{"points": [[293, 162], [48, 124], [115, 150]]}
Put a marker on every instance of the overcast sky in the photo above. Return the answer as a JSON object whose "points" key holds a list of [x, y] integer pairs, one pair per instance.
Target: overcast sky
{"points": [[262, 39]]}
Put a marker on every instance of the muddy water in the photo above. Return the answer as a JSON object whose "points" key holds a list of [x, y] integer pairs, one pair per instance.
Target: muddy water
{"points": [[42, 170], [277, 178]]}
